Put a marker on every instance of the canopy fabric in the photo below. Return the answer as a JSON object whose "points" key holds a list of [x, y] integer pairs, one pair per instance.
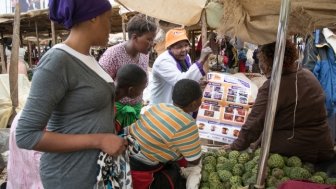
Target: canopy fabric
{"points": [[253, 21], [182, 12], [257, 21]]}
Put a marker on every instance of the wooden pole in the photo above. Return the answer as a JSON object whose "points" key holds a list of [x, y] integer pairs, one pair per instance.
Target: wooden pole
{"points": [[204, 30], [193, 54], [30, 54], [123, 25], [13, 68], [53, 33], [37, 40], [4, 50], [3, 63]]}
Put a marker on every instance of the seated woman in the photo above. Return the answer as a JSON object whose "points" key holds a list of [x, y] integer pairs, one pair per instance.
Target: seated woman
{"points": [[300, 125]]}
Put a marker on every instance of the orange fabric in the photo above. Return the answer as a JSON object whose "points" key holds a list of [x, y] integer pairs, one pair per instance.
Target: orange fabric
{"points": [[175, 35]]}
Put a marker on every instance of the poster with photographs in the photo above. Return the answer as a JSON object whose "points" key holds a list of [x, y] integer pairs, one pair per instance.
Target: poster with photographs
{"points": [[218, 131], [224, 107]]}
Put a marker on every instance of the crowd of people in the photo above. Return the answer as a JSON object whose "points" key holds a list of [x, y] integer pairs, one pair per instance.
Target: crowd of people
{"points": [[81, 113]]}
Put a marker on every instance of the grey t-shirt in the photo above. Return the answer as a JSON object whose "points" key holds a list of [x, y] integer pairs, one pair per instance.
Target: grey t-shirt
{"points": [[69, 98]]}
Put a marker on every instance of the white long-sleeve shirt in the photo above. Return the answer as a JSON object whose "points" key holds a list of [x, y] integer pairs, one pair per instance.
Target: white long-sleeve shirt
{"points": [[166, 73]]}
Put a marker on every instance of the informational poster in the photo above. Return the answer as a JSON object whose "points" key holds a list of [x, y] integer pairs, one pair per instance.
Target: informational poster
{"points": [[224, 107]]}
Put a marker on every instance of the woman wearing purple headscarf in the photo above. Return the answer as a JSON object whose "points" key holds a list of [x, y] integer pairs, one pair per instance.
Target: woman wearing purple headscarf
{"points": [[74, 97]]}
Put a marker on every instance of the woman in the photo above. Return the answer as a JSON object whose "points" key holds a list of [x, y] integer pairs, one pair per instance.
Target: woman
{"points": [[141, 33], [300, 125], [74, 97]]}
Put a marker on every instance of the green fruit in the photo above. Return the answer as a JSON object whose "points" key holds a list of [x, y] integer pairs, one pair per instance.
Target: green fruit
{"points": [[243, 158], [222, 153], [210, 159], [236, 180], [220, 167], [317, 179], [278, 173], [213, 177], [234, 154], [216, 185], [324, 175], [205, 175], [238, 169], [272, 181], [221, 159], [224, 175], [275, 160], [228, 165], [209, 167], [299, 173], [294, 161], [309, 167], [257, 152], [331, 181]]}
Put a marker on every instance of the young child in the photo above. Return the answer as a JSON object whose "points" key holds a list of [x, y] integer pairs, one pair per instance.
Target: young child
{"points": [[164, 134]]}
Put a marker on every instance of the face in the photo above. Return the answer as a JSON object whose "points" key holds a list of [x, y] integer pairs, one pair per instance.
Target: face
{"points": [[102, 28], [136, 91], [144, 43], [196, 104], [180, 49]]}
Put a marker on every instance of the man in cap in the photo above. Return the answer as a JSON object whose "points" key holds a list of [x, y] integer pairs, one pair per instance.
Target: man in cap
{"points": [[175, 64]]}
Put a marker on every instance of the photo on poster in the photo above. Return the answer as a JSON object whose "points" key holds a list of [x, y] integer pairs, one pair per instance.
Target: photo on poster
{"points": [[231, 98], [228, 117], [239, 119], [208, 113]]}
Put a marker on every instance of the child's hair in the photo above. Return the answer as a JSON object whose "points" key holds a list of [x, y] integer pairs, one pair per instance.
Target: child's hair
{"points": [[185, 92], [139, 25], [130, 75]]}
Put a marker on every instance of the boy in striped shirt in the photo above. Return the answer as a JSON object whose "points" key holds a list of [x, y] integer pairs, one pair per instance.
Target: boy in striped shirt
{"points": [[165, 134]]}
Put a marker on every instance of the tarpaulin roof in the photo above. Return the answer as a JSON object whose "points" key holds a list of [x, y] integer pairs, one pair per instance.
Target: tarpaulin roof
{"points": [[252, 21]]}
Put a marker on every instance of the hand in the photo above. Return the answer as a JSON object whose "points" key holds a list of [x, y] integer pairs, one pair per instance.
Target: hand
{"points": [[205, 52], [226, 147], [113, 144], [250, 104]]}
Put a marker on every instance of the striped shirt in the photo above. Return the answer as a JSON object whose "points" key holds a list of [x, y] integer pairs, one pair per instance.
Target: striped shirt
{"points": [[166, 133]]}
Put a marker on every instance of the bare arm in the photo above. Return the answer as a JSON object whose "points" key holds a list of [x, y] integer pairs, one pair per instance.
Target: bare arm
{"points": [[55, 142]]}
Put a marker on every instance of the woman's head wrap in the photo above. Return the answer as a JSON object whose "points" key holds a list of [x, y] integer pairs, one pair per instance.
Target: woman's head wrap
{"points": [[71, 12]]}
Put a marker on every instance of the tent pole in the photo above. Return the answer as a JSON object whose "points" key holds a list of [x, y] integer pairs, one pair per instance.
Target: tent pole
{"points": [[13, 68], [4, 50], [204, 28], [193, 57], [30, 54], [53, 33], [123, 25], [37, 40], [3, 63], [273, 91]]}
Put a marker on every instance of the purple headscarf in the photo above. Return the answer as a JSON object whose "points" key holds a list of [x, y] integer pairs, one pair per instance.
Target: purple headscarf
{"points": [[71, 12]]}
